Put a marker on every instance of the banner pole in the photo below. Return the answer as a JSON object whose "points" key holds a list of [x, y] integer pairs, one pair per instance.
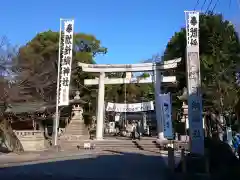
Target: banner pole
{"points": [[55, 124]]}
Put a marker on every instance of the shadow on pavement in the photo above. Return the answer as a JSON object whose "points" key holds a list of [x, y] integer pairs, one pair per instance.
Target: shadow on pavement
{"points": [[121, 166], [222, 162]]}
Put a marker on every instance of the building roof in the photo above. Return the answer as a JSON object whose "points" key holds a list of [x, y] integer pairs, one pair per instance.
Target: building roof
{"points": [[28, 107], [31, 107]]}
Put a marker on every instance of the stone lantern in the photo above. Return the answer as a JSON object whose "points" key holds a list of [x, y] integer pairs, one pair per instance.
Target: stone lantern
{"points": [[184, 98], [77, 109], [76, 129], [184, 118]]}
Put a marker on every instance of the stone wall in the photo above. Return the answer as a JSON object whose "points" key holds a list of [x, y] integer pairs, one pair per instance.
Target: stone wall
{"points": [[32, 140]]}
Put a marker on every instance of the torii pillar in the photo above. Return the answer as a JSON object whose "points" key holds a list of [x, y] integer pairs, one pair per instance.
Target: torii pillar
{"points": [[100, 107], [158, 109]]}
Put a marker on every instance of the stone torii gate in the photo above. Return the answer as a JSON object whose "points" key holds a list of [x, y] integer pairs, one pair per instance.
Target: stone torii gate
{"points": [[157, 79]]}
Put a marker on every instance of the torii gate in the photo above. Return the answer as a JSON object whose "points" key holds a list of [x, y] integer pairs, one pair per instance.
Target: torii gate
{"points": [[157, 79]]}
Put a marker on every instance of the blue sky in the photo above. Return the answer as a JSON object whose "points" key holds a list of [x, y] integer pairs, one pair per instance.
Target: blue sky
{"points": [[132, 30]]}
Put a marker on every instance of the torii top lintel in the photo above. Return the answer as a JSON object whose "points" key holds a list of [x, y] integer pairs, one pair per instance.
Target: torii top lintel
{"points": [[129, 67]]}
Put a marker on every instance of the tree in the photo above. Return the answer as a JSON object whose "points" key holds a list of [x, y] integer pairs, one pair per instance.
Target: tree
{"points": [[37, 62], [219, 58], [129, 93], [7, 55], [7, 93]]}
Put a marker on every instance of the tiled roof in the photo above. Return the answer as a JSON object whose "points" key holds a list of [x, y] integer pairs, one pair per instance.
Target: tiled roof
{"points": [[27, 107], [31, 107]]}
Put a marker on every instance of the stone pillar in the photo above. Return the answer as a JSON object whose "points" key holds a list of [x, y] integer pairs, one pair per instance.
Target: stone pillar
{"points": [[144, 123], [34, 124], [157, 86], [100, 107]]}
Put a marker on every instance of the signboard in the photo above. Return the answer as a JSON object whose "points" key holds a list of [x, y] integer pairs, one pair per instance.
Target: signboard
{"points": [[166, 106], [194, 84], [134, 107], [65, 63]]}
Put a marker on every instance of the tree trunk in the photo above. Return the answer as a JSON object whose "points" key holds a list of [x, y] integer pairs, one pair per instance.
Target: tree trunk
{"points": [[10, 139]]}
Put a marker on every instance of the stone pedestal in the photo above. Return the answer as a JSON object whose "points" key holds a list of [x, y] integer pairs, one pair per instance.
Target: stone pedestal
{"points": [[144, 123], [76, 129], [76, 125], [76, 132]]}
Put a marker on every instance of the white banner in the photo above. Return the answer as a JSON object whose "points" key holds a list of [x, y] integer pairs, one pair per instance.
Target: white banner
{"points": [[66, 63], [166, 106], [194, 83], [134, 107]]}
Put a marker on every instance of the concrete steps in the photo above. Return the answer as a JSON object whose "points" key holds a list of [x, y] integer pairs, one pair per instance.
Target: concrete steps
{"points": [[76, 135], [148, 145], [100, 144], [114, 144]]}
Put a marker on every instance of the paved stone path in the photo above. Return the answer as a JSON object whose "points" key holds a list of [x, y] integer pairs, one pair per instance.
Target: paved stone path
{"points": [[110, 165], [12, 159]]}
